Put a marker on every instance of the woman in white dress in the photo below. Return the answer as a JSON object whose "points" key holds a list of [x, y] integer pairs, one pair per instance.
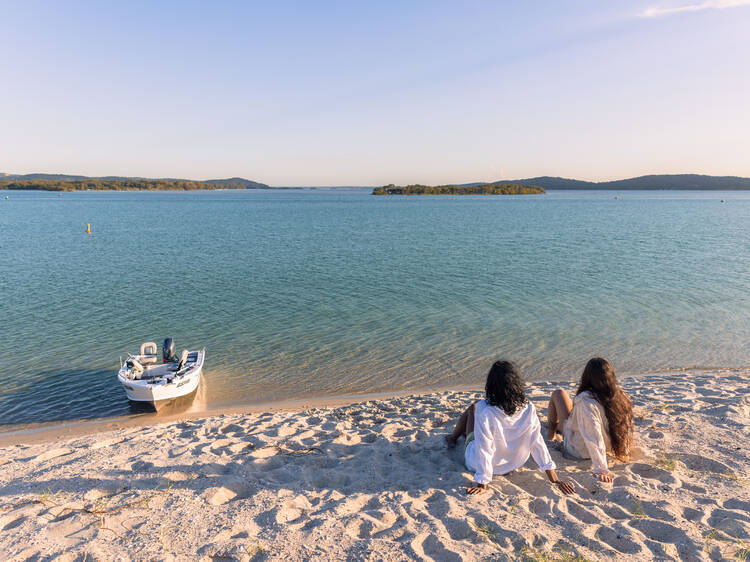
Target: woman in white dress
{"points": [[502, 431], [598, 420]]}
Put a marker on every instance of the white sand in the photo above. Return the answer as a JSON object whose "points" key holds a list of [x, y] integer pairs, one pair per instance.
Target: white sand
{"points": [[374, 481]]}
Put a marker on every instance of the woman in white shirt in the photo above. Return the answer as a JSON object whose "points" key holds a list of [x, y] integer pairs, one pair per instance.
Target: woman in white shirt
{"points": [[502, 431], [599, 419]]}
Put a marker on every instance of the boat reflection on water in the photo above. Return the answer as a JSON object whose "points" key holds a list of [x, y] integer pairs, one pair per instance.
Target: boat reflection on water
{"points": [[193, 402]]}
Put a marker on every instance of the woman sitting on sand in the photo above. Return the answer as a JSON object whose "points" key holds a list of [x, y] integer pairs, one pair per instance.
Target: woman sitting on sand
{"points": [[597, 420], [502, 431]]}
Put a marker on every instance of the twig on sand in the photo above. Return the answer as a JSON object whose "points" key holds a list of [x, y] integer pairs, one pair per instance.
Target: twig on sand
{"points": [[537, 554], [512, 507], [663, 407], [298, 452], [482, 529], [735, 478]]}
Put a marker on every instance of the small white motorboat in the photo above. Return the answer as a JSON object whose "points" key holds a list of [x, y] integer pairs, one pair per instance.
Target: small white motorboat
{"points": [[147, 380]]}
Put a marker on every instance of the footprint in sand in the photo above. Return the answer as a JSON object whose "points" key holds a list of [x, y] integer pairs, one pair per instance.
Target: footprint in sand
{"points": [[703, 464], [615, 512], [700, 490], [283, 430], [458, 529], [231, 490], [427, 546], [11, 522], [330, 479], [239, 447], [694, 515], [734, 503], [733, 523], [649, 472], [351, 504], [292, 511], [233, 429], [663, 533], [373, 524], [618, 537], [581, 513], [639, 507]]}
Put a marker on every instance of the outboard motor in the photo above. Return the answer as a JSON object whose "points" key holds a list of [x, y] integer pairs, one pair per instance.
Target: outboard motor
{"points": [[168, 351]]}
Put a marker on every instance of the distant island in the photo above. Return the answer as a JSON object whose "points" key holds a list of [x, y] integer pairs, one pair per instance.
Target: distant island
{"points": [[61, 182], [659, 181], [479, 189]]}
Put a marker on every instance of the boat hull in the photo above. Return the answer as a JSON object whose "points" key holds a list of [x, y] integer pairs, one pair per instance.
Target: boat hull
{"points": [[147, 391], [170, 406], [156, 393]]}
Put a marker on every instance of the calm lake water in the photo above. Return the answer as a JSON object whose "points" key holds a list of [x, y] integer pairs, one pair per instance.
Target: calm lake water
{"points": [[313, 293]]}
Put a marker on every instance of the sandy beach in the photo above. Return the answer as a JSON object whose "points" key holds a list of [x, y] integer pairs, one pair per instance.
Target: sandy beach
{"points": [[374, 481]]}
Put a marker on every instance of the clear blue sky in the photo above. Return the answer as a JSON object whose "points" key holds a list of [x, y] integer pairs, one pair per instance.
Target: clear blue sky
{"points": [[366, 93]]}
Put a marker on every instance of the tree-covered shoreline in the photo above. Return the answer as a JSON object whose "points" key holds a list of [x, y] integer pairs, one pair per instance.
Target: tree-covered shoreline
{"points": [[113, 185], [484, 189]]}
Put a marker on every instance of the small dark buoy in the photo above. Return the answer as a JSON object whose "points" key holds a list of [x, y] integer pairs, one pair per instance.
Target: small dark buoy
{"points": [[722, 201]]}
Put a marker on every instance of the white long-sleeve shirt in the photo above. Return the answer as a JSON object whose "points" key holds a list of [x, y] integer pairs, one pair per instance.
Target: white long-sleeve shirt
{"points": [[586, 431], [503, 443]]}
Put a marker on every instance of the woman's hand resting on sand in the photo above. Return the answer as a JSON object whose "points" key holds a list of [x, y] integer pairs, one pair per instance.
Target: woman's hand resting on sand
{"points": [[604, 477], [476, 489], [565, 487]]}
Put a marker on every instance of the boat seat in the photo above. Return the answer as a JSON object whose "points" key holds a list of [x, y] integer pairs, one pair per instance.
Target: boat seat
{"points": [[148, 353], [183, 359], [135, 365]]}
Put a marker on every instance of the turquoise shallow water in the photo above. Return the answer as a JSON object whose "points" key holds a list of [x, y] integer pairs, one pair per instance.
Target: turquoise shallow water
{"points": [[313, 293]]}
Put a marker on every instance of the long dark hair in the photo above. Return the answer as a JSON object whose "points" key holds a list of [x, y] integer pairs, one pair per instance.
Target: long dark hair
{"points": [[505, 388], [599, 379]]}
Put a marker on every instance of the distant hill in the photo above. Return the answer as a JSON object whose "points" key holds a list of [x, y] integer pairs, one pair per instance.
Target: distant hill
{"points": [[661, 181], [482, 189], [148, 183], [238, 182]]}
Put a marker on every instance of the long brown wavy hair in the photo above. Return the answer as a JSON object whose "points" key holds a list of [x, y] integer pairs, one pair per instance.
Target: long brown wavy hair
{"points": [[505, 388], [599, 379]]}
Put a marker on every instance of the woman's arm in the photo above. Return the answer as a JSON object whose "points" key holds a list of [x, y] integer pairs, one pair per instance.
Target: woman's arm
{"points": [[542, 458], [484, 446], [538, 449], [591, 427]]}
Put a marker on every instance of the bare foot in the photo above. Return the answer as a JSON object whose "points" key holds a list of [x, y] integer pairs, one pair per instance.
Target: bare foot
{"points": [[451, 441], [551, 432]]}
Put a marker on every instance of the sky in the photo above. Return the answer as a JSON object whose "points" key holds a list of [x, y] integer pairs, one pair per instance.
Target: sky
{"points": [[369, 93]]}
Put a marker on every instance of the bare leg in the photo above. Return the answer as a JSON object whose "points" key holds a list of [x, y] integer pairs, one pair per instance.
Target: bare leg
{"points": [[558, 410], [464, 426]]}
